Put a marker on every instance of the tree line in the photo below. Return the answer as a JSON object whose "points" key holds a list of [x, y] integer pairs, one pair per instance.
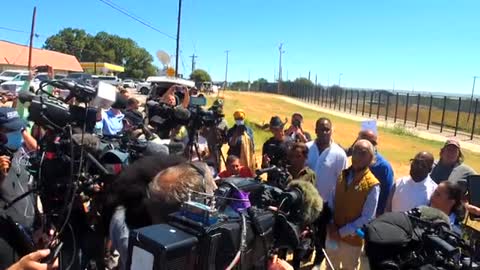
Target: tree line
{"points": [[104, 47]]}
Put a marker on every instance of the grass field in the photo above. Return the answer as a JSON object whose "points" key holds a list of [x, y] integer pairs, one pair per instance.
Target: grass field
{"points": [[395, 146]]}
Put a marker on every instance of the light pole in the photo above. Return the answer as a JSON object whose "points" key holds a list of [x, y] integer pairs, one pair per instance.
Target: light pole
{"points": [[340, 79], [280, 51], [226, 71], [178, 36], [471, 99]]}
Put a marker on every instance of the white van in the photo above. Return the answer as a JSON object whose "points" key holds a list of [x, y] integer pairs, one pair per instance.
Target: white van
{"points": [[9, 74]]}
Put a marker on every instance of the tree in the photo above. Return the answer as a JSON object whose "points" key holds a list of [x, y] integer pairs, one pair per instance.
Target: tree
{"points": [[303, 82], [104, 47], [259, 84], [200, 75]]}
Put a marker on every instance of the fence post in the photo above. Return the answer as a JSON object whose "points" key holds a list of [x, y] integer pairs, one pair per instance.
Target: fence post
{"points": [[443, 113], [387, 107], [474, 119], [396, 109], [322, 90], [458, 115], [406, 110], [351, 100], [429, 112], [418, 108], [345, 101], [378, 105], [336, 99], [331, 98], [371, 102], [358, 99], [364, 97]]}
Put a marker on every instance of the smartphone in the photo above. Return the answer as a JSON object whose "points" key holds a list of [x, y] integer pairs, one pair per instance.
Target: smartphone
{"points": [[473, 188]]}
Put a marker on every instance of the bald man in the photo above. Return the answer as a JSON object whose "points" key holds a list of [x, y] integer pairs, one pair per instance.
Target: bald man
{"points": [[381, 168], [417, 188]]}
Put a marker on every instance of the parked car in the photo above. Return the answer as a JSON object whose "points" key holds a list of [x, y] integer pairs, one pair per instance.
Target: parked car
{"points": [[8, 75], [113, 80], [79, 77], [128, 83], [18, 81]]}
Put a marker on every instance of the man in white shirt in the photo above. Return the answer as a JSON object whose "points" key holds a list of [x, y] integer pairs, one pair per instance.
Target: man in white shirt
{"points": [[416, 189], [327, 159]]}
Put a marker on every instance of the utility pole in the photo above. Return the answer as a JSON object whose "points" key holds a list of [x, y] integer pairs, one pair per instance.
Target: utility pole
{"points": [[471, 99], [315, 79], [226, 70], [340, 79], [280, 51], [178, 36], [193, 61], [32, 33], [309, 75]]}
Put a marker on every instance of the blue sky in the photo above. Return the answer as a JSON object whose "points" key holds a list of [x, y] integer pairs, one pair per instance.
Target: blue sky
{"points": [[425, 45]]}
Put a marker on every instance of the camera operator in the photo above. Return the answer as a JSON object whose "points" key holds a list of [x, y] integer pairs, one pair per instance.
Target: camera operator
{"points": [[274, 151], [14, 178], [110, 122], [176, 95], [295, 131], [216, 136], [353, 204], [240, 141], [148, 191], [133, 116]]}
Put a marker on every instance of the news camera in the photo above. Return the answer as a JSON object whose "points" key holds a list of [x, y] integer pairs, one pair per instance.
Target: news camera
{"points": [[419, 239], [234, 229]]}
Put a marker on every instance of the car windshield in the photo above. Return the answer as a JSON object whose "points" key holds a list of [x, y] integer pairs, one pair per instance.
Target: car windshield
{"points": [[21, 78], [58, 77], [9, 73], [107, 78], [42, 77], [75, 76]]}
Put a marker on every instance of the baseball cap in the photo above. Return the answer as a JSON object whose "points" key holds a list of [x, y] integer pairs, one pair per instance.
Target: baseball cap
{"points": [[276, 122], [10, 119], [452, 142]]}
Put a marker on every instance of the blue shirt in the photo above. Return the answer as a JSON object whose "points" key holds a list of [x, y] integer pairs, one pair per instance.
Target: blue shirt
{"points": [[111, 124], [384, 173]]}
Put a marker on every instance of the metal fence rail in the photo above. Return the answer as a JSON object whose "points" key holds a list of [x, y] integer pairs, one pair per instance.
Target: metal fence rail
{"points": [[441, 112]]}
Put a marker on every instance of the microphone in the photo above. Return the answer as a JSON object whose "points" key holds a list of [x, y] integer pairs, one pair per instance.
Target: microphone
{"points": [[305, 196], [25, 96], [266, 170]]}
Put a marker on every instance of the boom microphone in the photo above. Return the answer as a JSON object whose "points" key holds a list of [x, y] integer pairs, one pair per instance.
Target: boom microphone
{"points": [[310, 202]]}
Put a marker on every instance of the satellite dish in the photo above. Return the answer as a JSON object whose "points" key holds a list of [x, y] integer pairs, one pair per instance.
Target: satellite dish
{"points": [[163, 57]]}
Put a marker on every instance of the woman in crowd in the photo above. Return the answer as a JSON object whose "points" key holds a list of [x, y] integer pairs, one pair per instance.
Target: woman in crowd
{"points": [[448, 198], [240, 141]]}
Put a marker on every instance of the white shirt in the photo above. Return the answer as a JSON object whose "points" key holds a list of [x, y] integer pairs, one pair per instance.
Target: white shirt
{"points": [[410, 194], [327, 166]]}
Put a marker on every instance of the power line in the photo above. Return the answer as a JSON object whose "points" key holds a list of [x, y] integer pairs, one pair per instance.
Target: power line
{"points": [[18, 31], [134, 17]]}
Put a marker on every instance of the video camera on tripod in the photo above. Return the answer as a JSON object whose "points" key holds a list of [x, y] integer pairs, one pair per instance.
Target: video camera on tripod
{"points": [[227, 232]]}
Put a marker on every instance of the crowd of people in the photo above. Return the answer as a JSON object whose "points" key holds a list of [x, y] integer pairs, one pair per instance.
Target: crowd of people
{"points": [[354, 191]]}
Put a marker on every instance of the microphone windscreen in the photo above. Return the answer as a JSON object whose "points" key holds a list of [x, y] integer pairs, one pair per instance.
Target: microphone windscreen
{"points": [[90, 142], [312, 203], [433, 215]]}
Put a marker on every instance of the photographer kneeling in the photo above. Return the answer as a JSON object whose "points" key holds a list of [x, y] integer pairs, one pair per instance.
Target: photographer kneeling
{"points": [[148, 191]]}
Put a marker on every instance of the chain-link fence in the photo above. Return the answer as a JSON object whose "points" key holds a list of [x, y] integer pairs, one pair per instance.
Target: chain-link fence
{"points": [[441, 112]]}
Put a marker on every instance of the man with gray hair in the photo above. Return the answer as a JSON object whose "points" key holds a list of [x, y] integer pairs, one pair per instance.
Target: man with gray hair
{"points": [[353, 203], [165, 194]]}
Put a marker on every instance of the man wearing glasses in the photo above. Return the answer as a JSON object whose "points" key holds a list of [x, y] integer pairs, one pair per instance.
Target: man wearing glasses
{"points": [[416, 189]]}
